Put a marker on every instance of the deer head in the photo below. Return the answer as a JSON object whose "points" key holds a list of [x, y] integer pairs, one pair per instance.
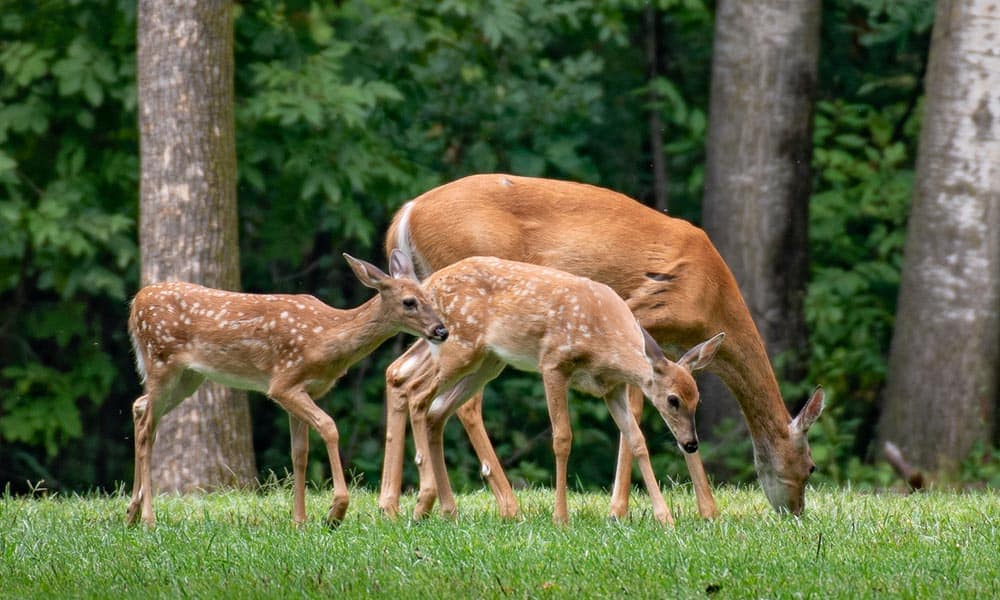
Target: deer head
{"points": [[403, 300], [673, 390], [781, 468]]}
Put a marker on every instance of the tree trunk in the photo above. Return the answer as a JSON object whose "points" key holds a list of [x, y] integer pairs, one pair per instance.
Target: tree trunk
{"points": [[942, 389], [187, 217], [758, 167]]}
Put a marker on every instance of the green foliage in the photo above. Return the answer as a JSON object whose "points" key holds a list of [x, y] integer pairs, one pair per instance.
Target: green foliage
{"points": [[848, 545], [864, 149], [344, 111], [67, 184], [857, 228], [875, 50]]}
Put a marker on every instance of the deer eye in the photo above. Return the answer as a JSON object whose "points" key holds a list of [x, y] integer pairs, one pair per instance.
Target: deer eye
{"points": [[674, 401], [410, 303]]}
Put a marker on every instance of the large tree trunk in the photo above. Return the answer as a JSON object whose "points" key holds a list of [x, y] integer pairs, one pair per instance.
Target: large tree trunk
{"points": [[758, 167], [188, 220], [942, 389]]}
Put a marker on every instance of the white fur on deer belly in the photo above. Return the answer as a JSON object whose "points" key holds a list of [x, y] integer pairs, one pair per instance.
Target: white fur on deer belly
{"points": [[520, 361], [230, 380], [587, 383]]}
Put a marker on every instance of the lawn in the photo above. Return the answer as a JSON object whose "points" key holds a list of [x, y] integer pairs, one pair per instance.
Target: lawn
{"points": [[239, 544]]}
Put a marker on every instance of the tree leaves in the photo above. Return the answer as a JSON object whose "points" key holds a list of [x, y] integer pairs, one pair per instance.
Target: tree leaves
{"points": [[346, 110], [67, 193]]}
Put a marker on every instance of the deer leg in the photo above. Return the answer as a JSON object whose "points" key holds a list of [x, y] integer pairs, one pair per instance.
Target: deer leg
{"points": [[423, 458], [140, 419], [300, 456], [395, 447], [437, 415], [419, 405], [414, 369], [164, 391], [619, 407], [301, 406], [623, 470], [562, 437], [702, 489], [471, 416], [436, 418]]}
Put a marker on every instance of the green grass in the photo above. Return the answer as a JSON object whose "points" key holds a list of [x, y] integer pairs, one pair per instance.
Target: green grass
{"points": [[244, 545]]}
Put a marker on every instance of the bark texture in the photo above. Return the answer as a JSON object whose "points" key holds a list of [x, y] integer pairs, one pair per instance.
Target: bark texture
{"points": [[942, 391], [188, 218], [758, 166]]}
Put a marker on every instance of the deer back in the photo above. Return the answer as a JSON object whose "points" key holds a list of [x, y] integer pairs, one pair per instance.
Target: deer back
{"points": [[659, 264], [237, 339], [532, 316]]}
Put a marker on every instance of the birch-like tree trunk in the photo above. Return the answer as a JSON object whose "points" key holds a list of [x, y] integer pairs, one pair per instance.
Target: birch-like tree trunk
{"points": [[187, 216], [758, 167], [943, 368]]}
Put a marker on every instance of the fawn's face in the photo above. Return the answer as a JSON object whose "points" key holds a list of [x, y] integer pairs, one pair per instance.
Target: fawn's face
{"points": [[407, 304], [404, 301], [674, 392], [675, 396]]}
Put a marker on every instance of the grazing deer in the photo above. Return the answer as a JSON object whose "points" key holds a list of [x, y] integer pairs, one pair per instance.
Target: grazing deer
{"points": [[668, 272], [576, 332], [290, 347]]}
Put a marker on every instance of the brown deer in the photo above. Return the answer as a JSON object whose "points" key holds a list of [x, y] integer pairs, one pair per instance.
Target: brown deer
{"points": [[578, 333], [290, 347], [668, 272]]}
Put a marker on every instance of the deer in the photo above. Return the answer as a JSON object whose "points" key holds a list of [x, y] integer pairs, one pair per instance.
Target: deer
{"points": [[668, 272], [576, 332], [292, 348]]}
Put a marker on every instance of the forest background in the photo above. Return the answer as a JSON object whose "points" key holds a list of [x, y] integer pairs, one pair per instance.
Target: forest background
{"points": [[346, 110]]}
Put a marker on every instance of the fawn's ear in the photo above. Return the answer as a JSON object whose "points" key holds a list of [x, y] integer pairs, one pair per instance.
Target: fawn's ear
{"points": [[400, 265], [650, 347], [698, 357], [367, 273], [809, 413]]}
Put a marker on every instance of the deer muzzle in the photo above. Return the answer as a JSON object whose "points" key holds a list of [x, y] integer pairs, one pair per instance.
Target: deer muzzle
{"points": [[438, 334]]}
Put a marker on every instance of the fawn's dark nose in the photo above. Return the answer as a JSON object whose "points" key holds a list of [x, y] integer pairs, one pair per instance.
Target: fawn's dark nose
{"points": [[440, 333], [691, 447]]}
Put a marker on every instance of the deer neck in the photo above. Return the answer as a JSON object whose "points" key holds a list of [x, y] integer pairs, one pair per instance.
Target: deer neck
{"points": [[744, 367], [356, 332]]}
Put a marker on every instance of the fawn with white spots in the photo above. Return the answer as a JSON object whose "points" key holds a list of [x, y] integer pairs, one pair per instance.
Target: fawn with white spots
{"points": [[291, 347], [576, 332]]}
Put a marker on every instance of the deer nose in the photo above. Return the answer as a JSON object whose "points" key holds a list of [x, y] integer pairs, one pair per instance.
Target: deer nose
{"points": [[691, 447], [440, 333]]}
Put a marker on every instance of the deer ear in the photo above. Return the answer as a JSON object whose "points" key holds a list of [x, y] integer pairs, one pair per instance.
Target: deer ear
{"points": [[400, 265], [809, 413], [367, 273], [652, 349], [698, 357]]}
